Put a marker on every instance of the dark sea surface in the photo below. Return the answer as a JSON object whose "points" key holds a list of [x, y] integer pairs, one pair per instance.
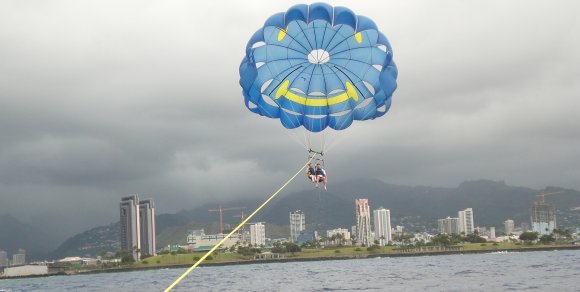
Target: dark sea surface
{"points": [[514, 271]]}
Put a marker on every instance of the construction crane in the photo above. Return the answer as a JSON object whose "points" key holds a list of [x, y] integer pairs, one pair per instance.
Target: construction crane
{"points": [[242, 232], [543, 194], [242, 216], [221, 210]]}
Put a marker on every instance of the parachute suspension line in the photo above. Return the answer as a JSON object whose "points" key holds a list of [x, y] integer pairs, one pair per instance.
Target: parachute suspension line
{"points": [[332, 143], [334, 139], [237, 228], [294, 137], [323, 142]]}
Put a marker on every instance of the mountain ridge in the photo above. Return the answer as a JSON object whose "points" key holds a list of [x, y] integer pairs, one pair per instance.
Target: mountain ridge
{"points": [[15, 234]]}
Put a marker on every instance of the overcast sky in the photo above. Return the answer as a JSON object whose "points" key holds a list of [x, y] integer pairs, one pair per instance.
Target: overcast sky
{"points": [[101, 99]]}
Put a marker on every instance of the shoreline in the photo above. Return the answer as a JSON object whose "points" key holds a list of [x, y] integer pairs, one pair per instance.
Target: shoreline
{"points": [[301, 259]]}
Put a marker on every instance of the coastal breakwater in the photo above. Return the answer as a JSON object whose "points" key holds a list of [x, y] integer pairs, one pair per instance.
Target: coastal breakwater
{"points": [[402, 252]]}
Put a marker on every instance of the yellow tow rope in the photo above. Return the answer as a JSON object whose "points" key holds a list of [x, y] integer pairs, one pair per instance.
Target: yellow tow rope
{"points": [[237, 228]]}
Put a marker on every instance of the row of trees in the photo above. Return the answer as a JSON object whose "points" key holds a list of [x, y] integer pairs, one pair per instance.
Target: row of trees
{"points": [[286, 247], [454, 239], [277, 247], [529, 237]]}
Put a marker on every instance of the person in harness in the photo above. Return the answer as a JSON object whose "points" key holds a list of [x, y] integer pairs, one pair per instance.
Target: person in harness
{"points": [[320, 175], [311, 173]]}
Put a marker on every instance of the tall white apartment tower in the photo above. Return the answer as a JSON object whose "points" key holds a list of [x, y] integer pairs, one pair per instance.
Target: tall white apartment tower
{"points": [[3, 258], [363, 221], [130, 225], [297, 224], [258, 234], [147, 227], [448, 225], [382, 225], [508, 226], [466, 224], [19, 258]]}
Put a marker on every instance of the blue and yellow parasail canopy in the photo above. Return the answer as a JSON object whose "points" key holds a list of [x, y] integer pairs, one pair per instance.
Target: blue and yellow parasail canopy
{"points": [[318, 66]]}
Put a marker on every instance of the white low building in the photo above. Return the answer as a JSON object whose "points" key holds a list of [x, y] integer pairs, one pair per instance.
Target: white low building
{"points": [[342, 231], [26, 270], [422, 236], [506, 238], [198, 238], [79, 261]]}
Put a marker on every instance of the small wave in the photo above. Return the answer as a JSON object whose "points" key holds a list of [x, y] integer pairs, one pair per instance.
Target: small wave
{"points": [[465, 272], [349, 289]]}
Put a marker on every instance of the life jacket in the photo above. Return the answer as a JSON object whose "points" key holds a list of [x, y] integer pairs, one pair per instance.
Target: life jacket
{"points": [[320, 171]]}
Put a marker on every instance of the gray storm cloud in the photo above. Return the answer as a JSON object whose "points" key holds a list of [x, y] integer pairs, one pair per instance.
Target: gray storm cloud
{"points": [[107, 98]]}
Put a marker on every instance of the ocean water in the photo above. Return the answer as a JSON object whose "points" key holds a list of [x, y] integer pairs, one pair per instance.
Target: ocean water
{"points": [[515, 271]]}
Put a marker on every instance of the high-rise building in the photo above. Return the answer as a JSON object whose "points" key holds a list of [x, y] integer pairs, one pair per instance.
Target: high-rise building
{"points": [[448, 225], [137, 226], [130, 225], [3, 258], [543, 218], [466, 224], [508, 226], [147, 227], [525, 227], [363, 221], [19, 258], [382, 225], [257, 234], [492, 232], [297, 224]]}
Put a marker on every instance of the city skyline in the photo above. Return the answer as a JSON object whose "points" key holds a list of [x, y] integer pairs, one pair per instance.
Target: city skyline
{"points": [[421, 227], [362, 205]]}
